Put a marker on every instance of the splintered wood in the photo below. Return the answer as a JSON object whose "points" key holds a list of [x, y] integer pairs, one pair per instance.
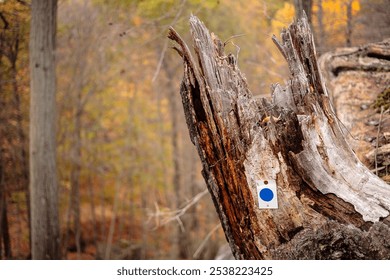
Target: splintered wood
{"points": [[295, 140]]}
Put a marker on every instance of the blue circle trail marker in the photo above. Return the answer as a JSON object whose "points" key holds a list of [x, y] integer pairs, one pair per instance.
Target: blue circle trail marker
{"points": [[267, 194]]}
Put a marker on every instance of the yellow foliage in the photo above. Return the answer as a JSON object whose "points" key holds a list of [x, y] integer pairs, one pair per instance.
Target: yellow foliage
{"points": [[283, 17], [137, 21], [355, 6], [335, 18]]}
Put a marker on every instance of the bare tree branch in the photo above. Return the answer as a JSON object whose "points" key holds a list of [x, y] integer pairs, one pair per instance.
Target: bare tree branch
{"points": [[165, 217]]}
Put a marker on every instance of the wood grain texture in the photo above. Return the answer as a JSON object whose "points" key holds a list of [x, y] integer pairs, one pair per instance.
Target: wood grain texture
{"points": [[294, 139]]}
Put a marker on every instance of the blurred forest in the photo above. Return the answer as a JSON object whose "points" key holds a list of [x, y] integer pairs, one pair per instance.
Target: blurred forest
{"points": [[130, 183]]}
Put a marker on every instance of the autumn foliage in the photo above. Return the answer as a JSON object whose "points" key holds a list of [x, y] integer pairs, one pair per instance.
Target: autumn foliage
{"points": [[125, 162]]}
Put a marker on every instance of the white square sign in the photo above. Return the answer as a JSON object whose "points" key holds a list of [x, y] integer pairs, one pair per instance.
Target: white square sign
{"points": [[267, 194]]}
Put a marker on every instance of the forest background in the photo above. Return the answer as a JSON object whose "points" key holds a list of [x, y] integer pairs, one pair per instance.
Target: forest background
{"points": [[130, 184]]}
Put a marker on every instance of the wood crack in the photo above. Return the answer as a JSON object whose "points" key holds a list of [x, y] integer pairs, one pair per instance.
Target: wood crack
{"points": [[293, 139]]}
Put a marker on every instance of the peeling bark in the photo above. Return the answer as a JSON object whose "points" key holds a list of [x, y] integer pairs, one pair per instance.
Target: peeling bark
{"points": [[296, 140]]}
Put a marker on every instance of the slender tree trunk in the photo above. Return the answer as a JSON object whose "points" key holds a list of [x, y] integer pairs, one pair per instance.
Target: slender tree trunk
{"points": [[91, 195], [75, 175], [320, 35], [182, 236], [130, 198], [193, 227], [22, 138], [4, 229], [1, 224], [102, 210], [20, 160], [43, 169], [181, 248], [145, 232], [283, 179], [111, 229], [348, 34], [2, 203], [303, 5]]}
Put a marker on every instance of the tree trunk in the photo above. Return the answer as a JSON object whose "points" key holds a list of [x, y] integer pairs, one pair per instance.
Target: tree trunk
{"points": [[177, 186], [21, 137], [287, 154], [320, 35], [182, 237], [348, 33], [43, 171], [4, 228], [303, 5], [75, 176]]}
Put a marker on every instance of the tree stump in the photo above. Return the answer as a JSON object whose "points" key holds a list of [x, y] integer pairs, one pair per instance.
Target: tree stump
{"points": [[329, 205]]}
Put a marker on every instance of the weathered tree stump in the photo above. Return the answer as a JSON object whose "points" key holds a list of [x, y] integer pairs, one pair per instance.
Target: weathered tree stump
{"points": [[330, 206]]}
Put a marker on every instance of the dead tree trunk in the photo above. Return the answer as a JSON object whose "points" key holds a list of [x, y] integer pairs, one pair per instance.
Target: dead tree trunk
{"points": [[329, 205]]}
